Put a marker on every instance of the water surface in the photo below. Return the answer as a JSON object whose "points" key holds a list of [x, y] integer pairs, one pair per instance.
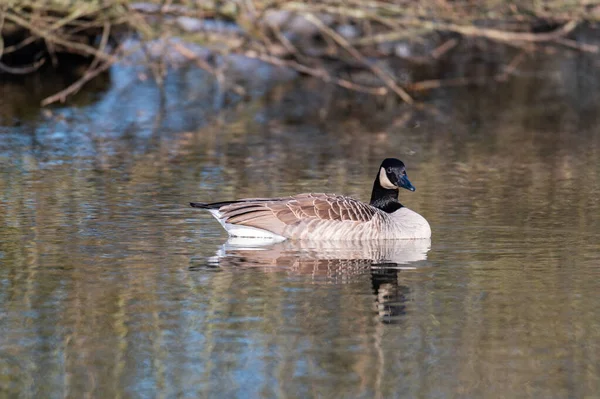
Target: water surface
{"points": [[110, 286]]}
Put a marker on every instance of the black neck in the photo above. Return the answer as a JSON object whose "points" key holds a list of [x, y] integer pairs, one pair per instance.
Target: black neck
{"points": [[384, 198]]}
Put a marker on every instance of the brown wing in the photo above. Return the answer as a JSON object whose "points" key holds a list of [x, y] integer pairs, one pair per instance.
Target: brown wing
{"points": [[278, 213]]}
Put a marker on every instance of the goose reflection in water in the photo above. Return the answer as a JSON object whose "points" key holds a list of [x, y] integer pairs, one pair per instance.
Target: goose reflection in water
{"points": [[334, 262]]}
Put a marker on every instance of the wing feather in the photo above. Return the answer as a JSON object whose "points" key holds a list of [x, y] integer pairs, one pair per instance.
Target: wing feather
{"points": [[306, 210]]}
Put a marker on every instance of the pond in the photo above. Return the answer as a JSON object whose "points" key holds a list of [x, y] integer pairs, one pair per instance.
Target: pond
{"points": [[111, 286]]}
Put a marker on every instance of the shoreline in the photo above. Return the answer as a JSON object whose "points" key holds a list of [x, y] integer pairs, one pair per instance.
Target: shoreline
{"points": [[376, 48]]}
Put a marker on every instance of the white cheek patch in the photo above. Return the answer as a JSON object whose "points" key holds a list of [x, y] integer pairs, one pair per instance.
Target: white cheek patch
{"points": [[385, 181]]}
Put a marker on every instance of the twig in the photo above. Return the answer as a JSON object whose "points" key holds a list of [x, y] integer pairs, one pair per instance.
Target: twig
{"points": [[464, 81], [88, 75], [452, 82], [190, 55], [319, 73], [511, 67], [102, 45], [82, 48], [77, 13], [390, 36], [384, 76], [157, 68], [287, 44], [495, 34], [22, 70], [69, 19], [588, 48], [397, 15], [350, 12], [51, 52], [444, 48], [20, 45], [383, 21], [92, 71], [75, 87]]}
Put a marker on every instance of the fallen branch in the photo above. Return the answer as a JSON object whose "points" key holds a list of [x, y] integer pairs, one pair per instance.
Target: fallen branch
{"points": [[384, 76], [588, 48], [318, 73], [499, 35]]}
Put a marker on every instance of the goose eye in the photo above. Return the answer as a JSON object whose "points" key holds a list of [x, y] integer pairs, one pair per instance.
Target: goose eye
{"points": [[389, 170]]}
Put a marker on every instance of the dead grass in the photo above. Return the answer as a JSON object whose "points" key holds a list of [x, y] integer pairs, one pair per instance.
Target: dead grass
{"points": [[93, 28]]}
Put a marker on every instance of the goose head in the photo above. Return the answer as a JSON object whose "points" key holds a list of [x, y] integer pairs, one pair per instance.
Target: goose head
{"points": [[390, 178], [392, 175]]}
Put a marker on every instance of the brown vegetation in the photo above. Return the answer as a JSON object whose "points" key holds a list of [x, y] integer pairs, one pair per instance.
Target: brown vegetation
{"points": [[321, 38]]}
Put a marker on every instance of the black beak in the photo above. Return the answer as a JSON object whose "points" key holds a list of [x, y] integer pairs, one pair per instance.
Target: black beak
{"points": [[405, 183]]}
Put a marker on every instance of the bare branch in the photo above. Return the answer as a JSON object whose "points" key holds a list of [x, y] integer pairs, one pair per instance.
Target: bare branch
{"points": [[384, 76]]}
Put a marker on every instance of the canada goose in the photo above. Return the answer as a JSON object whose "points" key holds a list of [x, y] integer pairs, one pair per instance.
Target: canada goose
{"points": [[327, 216]]}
